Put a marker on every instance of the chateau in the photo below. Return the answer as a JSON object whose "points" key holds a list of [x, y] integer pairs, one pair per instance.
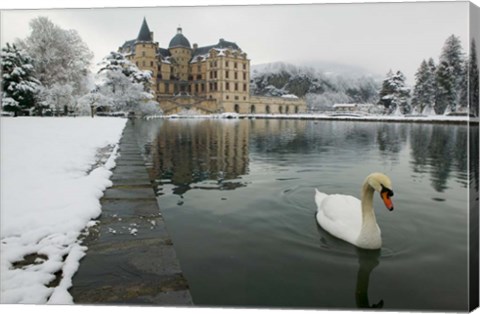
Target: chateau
{"points": [[208, 79]]}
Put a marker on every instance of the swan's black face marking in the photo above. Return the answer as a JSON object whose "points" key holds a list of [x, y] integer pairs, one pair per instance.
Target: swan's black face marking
{"points": [[385, 194]]}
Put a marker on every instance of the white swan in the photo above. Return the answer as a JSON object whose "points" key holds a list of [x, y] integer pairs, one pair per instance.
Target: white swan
{"points": [[352, 220]]}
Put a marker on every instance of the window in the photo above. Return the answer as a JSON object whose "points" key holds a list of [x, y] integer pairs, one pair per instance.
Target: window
{"points": [[252, 109], [151, 63], [236, 97], [244, 87], [226, 63], [287, 109], [199, 76], [143, 53], [236, 86], [227, 97], [235, 65], [280, 109], [235, 75], [236, 108], [143, 63], [244, 66], [226, 74], [244, 76], [227, 86], [267, 109], [296, 109]]}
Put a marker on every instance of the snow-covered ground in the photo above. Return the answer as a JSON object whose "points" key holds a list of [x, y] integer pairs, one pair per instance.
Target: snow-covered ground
{"points": [[53, 174]]}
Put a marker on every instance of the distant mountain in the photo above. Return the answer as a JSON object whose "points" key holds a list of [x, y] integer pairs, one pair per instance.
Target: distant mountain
{"points": [[321, 84]]}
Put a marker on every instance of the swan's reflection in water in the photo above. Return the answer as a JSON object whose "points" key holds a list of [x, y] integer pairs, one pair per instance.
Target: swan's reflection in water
{"points": [[367, 261]]}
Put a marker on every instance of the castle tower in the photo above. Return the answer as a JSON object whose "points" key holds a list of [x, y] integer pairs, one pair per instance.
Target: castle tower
{"points": [[145, 52], [181, 54]]}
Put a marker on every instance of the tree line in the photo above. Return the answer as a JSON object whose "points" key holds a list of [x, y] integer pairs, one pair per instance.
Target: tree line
{"points": [[451, 85], [48, 73]]}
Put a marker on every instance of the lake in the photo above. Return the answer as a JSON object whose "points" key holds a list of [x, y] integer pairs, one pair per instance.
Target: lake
{"points": [[238, 200]]}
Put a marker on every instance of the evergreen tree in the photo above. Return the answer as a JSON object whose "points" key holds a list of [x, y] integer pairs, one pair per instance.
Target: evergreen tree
{"points": [[394, 94], [473, 97], [19, 84], [121, 85], [450, 75], [446, 95], [425, 88]]}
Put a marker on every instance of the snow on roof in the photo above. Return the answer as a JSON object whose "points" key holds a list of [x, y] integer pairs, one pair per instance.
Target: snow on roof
{"points": [[344, 105], [290, 96]]}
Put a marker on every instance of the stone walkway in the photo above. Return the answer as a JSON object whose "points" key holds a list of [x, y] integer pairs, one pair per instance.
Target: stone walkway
{"points": [[131, 258]]}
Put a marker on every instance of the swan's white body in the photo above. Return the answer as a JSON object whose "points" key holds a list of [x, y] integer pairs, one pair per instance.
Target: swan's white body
{"points": [[351, 219]]}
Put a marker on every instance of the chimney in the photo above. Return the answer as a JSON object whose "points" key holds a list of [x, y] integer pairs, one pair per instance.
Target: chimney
{"points": [[195, 46]]}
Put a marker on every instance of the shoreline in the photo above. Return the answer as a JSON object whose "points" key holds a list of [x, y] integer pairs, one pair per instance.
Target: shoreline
{"points": [[397, 119]]}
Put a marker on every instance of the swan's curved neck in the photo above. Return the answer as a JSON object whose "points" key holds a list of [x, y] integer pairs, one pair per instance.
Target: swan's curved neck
{"points": [[368, 214]]}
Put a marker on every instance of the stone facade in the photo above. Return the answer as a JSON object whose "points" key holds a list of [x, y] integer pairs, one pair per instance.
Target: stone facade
{"points": [[209, 79]]}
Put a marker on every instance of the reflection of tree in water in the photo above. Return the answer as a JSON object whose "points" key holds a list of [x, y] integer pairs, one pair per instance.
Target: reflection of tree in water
{"points": [[391, 138], [278, 137], [474, 156], [439, 150], [474, 172]]}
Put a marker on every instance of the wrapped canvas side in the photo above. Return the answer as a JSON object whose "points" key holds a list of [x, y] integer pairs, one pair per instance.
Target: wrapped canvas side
{"points": [[474, 156]]}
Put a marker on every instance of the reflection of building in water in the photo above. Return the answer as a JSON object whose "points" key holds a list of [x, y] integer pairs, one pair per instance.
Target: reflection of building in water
{"points": [[186, 152]]}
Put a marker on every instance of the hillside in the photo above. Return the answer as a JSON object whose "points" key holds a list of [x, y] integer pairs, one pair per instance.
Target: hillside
{"points": [[320, 89]]}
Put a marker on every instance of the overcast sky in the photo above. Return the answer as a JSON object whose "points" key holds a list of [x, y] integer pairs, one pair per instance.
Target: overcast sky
{"points": [[374, 36]]}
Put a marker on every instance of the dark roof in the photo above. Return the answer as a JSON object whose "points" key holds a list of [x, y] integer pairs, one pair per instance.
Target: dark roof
{"points": [[163, 52], [179, 40], [130, 45], [144, 34], [222, 44]]}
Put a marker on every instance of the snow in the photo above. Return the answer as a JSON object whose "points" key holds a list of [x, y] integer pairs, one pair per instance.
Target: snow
{"points": [[292, 96], [351, 116], [49, 194]]}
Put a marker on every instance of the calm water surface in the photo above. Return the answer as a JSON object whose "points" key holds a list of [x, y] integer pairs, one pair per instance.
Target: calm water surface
{"points": [[238, 199]]}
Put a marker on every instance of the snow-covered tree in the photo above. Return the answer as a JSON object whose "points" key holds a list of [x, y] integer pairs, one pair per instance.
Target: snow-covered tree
{"points": [[58, 98], [122, 85], [61, 56], [473, 75], [19, 85], [446, 95], [450, 76], [394, 95], [423, 99]]}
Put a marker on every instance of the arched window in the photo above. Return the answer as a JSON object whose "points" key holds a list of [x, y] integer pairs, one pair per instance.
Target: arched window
{"points": [[280, 109], [286, 109], [296, 109], [267, 109], [252, 109], [236, 108]]}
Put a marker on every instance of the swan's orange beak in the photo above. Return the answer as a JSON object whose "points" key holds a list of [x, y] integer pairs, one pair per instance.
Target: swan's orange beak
{"points": [[387, 200]]}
